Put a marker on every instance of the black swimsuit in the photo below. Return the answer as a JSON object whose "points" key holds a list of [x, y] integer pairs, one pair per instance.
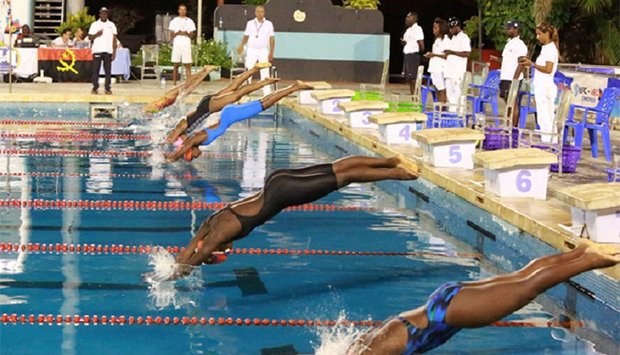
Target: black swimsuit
{"points": [[289, 187], [202, 113]]}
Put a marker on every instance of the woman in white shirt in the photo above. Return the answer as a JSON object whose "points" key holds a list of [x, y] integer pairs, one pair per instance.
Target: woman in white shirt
{"points": [[437, 62], [545, 90]]}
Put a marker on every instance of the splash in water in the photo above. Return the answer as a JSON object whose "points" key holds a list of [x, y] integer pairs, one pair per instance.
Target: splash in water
{"points": [[337, 340], [165, 292]]}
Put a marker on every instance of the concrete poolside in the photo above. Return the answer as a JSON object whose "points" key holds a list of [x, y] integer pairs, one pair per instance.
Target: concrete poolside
{"points": [[539, 218]]}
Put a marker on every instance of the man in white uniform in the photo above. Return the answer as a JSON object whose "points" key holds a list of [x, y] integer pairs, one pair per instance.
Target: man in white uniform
{"points": [[456, 60], [413, 42], [514, 49], [259, 37], [102, 33], [182, 31]]}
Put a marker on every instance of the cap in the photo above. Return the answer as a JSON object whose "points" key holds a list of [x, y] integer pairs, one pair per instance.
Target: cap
{"points": [[454, 21], [103, 9], [513, 24]]}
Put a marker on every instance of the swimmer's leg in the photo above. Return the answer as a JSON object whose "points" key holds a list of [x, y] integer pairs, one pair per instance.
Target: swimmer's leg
{"points": [[219, 102], [478, 306], [237, 81]]}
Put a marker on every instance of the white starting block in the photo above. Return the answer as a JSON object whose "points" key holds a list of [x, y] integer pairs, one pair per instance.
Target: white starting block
{"points": [[358, 112], [305, 96], [397, 127], [329, 100], [449, 147], [522, 172], [597, 206]]}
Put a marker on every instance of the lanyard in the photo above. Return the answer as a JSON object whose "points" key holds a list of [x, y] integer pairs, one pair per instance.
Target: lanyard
{"points": [[258, 27]]}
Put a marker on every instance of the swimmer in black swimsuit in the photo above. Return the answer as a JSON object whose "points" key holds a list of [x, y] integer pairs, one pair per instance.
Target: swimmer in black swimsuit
{"points": [[283, 188], [209, 104], [475, 304], [230, 114]]}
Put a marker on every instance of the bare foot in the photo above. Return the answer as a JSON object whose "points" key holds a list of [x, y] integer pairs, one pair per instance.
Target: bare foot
{"points": [[178, 130], [404, 174], [261, 65], [272, 80], [211, 68], [301, 85], [393, 161], [603, 259]]}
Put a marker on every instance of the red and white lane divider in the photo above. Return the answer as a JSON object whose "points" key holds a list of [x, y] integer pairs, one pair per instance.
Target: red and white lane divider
{"points": [[132, 205], [75, 136], [63, 123], [63, 248], [85, 175], [76, 152], [152, 320]]}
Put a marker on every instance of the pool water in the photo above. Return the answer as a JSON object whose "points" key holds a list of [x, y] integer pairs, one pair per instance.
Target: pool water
{"points": [[246, 286]]}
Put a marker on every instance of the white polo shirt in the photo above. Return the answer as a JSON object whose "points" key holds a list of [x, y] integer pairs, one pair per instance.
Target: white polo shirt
{"points": [[549, 53], [411, 37], [103, 43], [259, 33], [438, 64], [58, 42], [184, 24], [457, 66], [514, 49]]}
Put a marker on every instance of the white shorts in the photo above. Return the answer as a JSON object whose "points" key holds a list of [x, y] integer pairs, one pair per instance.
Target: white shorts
{"points": [[438, 81], [182, 54]]}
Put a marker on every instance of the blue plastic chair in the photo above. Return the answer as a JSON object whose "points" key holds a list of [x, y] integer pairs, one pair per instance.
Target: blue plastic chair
{"points": [[561, 81], [488, 93], [429, 87], [601, 123]]}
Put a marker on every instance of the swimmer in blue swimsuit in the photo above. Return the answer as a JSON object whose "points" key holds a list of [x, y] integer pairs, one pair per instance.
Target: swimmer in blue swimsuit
{"points": [[475, 304], [283, 188], [215, 102], [230, 114]]}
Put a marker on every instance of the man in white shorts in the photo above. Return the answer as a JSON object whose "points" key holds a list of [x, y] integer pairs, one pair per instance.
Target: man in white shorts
{"points": [[259, 36], [456, 60], [182, 31]]}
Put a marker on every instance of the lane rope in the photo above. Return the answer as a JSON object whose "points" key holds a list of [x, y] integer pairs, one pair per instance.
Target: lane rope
{"points": [[97, 153], [74, 136], [62, 123], [91, 249], [134, 205], [85, 175], [41, 319]]}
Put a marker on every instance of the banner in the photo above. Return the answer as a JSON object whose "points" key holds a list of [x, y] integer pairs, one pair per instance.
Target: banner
{"points": [[588, 89], [70, 64]]}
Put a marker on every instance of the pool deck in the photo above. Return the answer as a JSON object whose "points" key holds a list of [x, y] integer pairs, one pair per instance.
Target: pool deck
{"points": [[539, 218]]}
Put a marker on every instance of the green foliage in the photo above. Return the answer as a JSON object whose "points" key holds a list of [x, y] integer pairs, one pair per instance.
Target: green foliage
{"points": [[610, 42], [254, 2], [124, 18], [593, 7], [80, 19], [208, 52], [362, 4], [471, 28]]}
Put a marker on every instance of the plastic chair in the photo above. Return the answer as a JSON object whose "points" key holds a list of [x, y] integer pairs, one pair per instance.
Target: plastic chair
{"points": [[426, 89], [488, 93], [238, 64], [150, 61], [561, 81], [601, 113]]}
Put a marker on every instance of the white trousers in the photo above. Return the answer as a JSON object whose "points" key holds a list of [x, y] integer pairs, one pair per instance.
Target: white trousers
{"points": [[254, 56], [453, 90], [544, 94]]}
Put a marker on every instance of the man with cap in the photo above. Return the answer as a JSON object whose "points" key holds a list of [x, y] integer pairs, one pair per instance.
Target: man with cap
{"points": [[456, 60], [102, 33], [514, 48]]}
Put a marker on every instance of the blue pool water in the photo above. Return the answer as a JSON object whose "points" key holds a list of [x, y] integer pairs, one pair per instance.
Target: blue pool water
{"points": [[246, 286]]}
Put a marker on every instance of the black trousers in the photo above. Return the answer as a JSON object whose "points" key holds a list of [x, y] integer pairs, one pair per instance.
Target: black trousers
{"points": [[106, 58]]}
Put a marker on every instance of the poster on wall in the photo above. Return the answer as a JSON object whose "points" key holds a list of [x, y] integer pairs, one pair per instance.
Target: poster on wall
{"points": [[21, 11]]}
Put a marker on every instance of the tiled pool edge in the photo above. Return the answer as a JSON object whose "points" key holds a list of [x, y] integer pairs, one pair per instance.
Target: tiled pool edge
{"points": [[497, 239]]}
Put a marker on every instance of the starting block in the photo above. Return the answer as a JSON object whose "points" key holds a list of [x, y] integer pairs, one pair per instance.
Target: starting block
{"points": [[305, 96], [329, 99], [358, 112], [448, 147], [397, 127], [522, 172], [595, 206]]}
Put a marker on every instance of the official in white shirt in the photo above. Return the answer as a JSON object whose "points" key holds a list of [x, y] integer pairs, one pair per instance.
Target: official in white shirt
{"points": [[413, 45], [510, 70], [64, 40], [182, 31], [456, 60], [545, 90], [437, 58], [102, 33], [261, 44]]}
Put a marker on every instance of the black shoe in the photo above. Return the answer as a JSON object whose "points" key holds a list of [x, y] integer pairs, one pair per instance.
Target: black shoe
{"points": [[94, 92], [108, 92]]}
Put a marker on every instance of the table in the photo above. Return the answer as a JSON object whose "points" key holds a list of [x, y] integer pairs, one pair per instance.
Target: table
{"points": [[24, 61], [121, 66]]}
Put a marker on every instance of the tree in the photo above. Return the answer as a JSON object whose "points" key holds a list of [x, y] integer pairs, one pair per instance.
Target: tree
{"points": [[361, 4]]}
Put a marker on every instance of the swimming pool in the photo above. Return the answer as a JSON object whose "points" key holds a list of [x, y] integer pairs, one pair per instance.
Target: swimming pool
{"points": [[247, 286]]}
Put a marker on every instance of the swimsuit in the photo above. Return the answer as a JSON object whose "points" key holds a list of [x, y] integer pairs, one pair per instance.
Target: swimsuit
{"points": [[202, 113], [290, 187], [231, 114], [438, 331]]}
